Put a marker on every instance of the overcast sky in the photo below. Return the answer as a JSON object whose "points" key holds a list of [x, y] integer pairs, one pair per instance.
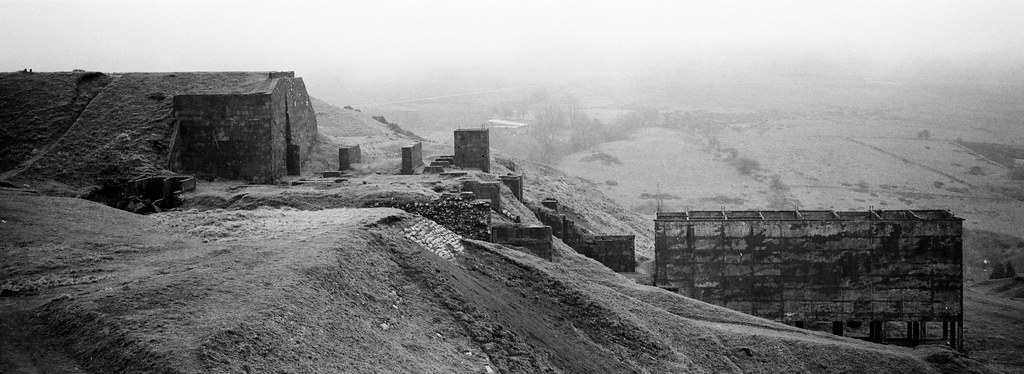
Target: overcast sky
{"points": [[387, 38]]}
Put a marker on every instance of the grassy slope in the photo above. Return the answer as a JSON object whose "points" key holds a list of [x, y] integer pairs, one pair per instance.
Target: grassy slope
{"points": [[222, 292], [125, 130], [379, 146], [36, 109], [344, 289]]}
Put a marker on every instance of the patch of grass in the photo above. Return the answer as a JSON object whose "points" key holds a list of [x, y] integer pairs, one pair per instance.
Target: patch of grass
{"points": [[611, 182], [777, 185], [663, 196], [746, 165], [1003, 154], [1016, 173], [650, 207], [725, 200], [604, 158], [957, 189]]}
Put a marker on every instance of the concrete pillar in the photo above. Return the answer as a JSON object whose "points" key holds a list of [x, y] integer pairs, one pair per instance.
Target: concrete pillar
{"points": [[953, 343], [945, 330], [916, 333], [877, 333]]}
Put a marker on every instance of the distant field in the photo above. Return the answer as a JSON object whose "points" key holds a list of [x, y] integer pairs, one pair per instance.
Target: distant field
{"points": [[812, 142]]}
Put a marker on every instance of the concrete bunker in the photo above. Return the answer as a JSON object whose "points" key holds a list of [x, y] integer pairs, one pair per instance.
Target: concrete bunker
{"points": [[258, 136], [797, 266]]}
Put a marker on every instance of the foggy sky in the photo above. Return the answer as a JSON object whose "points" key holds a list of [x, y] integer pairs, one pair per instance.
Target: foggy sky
{"points": [[387, 39]]}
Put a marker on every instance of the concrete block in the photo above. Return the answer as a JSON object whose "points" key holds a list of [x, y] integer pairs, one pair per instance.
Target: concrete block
{"points": [[349, 155], [485, 190], [550, 203], [514, 183], [412, 158], [536, 239], [473, 149]]}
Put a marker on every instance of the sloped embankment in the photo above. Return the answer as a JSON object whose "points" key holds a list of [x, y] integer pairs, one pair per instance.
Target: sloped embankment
{"points": [[359, 290], [37, 108]]}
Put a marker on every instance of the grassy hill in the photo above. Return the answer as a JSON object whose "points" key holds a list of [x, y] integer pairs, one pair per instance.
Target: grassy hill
{"points": [[36, 109]]}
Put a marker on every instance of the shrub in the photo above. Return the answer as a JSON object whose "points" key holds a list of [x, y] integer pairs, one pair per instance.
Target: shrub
{"points": [[1017, 173], [746, 165], [924, 134], [777, 185], [605, 158], [976, 170]]}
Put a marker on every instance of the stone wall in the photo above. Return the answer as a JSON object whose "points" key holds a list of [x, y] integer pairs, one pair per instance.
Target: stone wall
{"points": [[228, 136], [473, 149], [412, 158], [617, 252], [349, 155], [462, 216], [816, 266], [536, 239], [435, 238]]}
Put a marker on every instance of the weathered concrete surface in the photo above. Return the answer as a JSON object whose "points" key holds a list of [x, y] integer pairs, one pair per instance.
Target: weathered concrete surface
{"points": [[349, 155], [617, 252], [536, 239], [824, 266], [258, 136], [412, 158], [514, 183], [473, 149], [485, 190]]}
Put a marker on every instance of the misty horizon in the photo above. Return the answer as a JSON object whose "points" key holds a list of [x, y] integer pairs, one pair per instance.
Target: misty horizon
{"points": [[385, 50]]}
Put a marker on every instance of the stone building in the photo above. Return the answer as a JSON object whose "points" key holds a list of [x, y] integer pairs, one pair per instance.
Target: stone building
{"points": [[257, 136]]}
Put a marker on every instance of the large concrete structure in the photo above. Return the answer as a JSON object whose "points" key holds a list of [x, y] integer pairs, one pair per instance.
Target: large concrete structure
{"points": [[797, 266], [258, 136], [473, 149]]}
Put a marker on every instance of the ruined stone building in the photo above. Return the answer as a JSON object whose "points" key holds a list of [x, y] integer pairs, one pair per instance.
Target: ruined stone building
{"points": [[796, 266], [258, 136]]}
